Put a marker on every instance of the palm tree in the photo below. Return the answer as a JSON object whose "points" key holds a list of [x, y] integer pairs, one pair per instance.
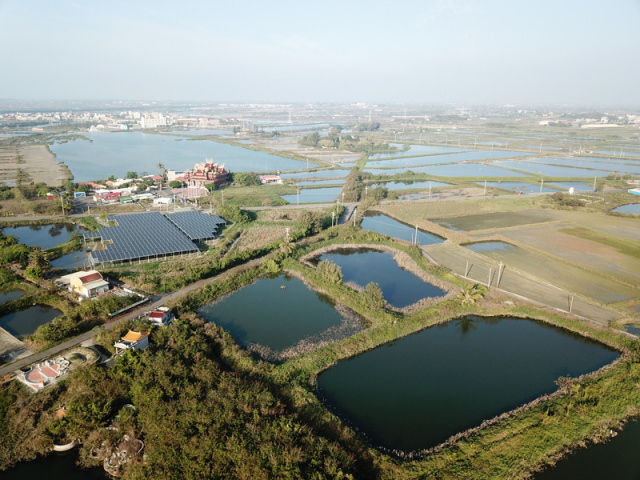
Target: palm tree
{"points": [[287, 246], [471, 293], [160, 167]]}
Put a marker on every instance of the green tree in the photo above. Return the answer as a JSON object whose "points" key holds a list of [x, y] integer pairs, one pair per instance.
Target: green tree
{"points": [[160, 167], [246, 179], [373, 296], [210, 187], [330, 272], [175, 184], [310, 139], [132, 175]]}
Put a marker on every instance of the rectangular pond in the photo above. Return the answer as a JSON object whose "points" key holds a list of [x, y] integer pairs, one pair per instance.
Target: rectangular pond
{"points": [[518, 187], [384, 225], [603, 164], [617, 458], [45, 236], [314, 195], [279, 313], [453, 170], [24, 322], [335, 181], [414, 150], [455, 157], [409, 184], [335, 173], [553, 170], [399, 287], [414, 393]]}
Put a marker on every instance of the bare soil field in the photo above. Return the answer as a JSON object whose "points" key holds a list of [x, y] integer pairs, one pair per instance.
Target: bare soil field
{"points": [[41, 165], [36, 161], [555, 240], [494, 220], [485, 270]]}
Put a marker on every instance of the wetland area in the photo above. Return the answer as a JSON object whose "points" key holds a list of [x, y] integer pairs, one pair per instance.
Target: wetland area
{"points": [[428, 377]]}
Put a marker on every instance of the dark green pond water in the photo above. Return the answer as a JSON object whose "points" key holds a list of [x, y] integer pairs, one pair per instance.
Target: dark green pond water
{"points": [[45, 236], [388, 226], [10, 295], [54, 467], [616, 459], [416, 392], [265, 314], [24, 322], [399, 287]]}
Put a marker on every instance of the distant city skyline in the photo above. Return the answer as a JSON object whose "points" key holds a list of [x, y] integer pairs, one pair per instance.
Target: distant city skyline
{"points": [[440, 51]]}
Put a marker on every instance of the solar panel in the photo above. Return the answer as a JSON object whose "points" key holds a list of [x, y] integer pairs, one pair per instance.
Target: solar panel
{"points": [[140, 236], [197, 226]]}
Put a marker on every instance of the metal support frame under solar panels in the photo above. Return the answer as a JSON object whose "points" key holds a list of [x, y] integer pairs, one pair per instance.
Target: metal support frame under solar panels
{"points": [[195, 225], [138, 237]]}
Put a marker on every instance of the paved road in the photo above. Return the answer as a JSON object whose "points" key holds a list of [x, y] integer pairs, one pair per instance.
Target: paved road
{"points": [[156, 302]]}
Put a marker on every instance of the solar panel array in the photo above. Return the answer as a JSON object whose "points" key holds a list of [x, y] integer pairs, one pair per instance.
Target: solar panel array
{"points": [[140, 236], [195, 225]]}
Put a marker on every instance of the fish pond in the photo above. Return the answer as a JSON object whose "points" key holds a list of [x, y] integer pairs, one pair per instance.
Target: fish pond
{"points": [[377, 222], [317, 174], [275, 314], [314, 195], [399, 287], [71, 261], [45, 236], [518, 187], [10, 295], [617, 458], [628, 208], [24, 322], [453, 170], [408, 184], [414, 393]]}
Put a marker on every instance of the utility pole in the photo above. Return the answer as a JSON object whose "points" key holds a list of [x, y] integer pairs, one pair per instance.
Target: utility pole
{"points": [[366, 193], [541, 184], [354, 216], [416, 235], [333, 216], [297, 195], [485, 187], [287, 229]]}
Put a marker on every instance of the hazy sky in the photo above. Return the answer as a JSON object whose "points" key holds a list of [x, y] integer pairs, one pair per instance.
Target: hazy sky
{"points": [[583, 52]]}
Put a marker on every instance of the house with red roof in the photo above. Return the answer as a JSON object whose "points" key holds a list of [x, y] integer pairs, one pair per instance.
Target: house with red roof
{"points": [[88, 284], [160, 316]]}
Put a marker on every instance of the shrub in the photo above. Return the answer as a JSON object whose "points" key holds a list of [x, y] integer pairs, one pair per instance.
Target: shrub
{"points": [[330, 272]]}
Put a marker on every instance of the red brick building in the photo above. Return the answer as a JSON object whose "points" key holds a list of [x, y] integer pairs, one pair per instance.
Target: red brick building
{"points": [[204, 173]]}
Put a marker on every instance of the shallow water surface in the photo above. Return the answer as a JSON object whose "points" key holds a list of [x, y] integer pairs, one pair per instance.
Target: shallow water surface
{"points": [[45, 236], [24, 322], [388, 226]]}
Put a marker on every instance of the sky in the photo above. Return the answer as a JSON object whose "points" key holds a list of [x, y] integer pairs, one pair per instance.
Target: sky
{"points": [[564, 52]]}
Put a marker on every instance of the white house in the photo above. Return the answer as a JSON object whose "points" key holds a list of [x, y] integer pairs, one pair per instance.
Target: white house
{"points": [[160, 316]]}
